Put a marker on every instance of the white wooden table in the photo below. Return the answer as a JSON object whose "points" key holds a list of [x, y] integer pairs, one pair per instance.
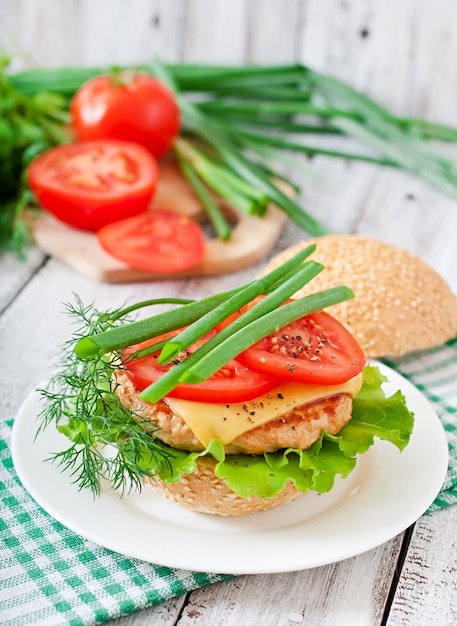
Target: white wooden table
{"points": [[399, 52]]}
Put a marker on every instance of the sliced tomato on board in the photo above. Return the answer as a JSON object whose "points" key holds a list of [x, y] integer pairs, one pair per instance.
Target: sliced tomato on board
{"points": [[316, 349], [235, 382], [132, 106], [156, 241], [91, 184]]}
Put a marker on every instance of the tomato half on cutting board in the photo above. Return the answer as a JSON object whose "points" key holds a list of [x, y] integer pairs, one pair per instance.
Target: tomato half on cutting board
{"points": [[91, 184], [156, 241], [132, 106]]}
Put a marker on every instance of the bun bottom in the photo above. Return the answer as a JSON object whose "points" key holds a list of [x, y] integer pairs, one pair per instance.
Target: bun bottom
{"points": [[203, 492]]}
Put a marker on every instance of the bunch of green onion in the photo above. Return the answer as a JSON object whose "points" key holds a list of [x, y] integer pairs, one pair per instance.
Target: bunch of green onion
{"points": [[199, 317], [237, 122]]}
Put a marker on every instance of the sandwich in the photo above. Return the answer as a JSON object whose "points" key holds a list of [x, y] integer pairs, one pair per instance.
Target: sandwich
{"points": [[233, 404]]}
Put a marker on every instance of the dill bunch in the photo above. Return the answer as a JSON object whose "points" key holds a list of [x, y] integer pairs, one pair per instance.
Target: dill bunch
{"points": [[109, 442]]}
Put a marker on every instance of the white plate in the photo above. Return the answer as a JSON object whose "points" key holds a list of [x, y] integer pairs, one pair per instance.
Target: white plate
{"points": [[385, 494]]}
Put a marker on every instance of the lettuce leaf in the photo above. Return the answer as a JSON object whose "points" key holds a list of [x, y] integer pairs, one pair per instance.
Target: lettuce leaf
{"points": [[374, 416]]}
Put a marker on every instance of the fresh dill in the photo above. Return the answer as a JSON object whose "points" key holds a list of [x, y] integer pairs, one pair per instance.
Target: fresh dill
{"points": [[109, 442]]}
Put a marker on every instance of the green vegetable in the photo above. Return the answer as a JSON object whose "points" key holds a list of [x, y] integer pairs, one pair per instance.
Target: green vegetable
{"points": [[28, 125], [220, 224], [264, 325], [334, 106], [214, 308], [235, 338], [257, 322], [108, 338], [316, 468]]}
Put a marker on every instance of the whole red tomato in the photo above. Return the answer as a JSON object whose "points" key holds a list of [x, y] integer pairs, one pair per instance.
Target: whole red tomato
{"points": [[133, 107]]}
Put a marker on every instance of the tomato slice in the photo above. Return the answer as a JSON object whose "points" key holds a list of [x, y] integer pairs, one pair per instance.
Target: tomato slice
{"points": [[314, 349], [157, 241], [89, 185], [235, 382]]}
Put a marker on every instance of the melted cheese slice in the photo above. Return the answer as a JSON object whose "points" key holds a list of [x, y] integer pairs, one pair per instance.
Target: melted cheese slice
{"points": [[226, 422]]}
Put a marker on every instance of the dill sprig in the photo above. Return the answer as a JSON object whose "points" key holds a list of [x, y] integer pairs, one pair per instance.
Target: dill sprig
{"points": [[109, 442]]}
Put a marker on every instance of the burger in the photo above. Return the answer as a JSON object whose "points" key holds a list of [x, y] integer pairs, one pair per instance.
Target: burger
{"points": [[246, 400], [236, 446]]}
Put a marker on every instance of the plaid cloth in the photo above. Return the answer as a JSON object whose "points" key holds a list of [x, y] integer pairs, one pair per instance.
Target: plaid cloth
{"points": [[434, 373], [51, 576]]}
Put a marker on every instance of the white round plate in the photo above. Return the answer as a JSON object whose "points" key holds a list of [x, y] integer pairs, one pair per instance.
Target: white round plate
{"points": [[387, 492]]}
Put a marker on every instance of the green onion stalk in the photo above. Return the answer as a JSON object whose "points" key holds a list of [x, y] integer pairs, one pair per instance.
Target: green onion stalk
{"points": [[238, 123]]}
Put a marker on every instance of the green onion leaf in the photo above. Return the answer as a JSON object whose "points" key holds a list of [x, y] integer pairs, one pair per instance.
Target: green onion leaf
{"points": [[121, 337], [288, 285], [228, 344], [219, 222]]}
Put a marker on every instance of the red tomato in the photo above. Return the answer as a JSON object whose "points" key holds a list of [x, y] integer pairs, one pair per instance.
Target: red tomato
{"points": [[157, 241], [132, 107], [234, 382], [314, 349], [88, 185]]}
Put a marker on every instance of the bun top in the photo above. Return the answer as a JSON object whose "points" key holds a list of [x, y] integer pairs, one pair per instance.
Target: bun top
{"points": [[401, 304]]}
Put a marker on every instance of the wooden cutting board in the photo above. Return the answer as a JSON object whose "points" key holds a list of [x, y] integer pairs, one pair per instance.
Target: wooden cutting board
{"points": [[251, 240]]}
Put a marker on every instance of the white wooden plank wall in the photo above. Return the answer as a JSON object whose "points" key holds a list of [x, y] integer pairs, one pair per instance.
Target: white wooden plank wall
{"points": [[399, 51]]}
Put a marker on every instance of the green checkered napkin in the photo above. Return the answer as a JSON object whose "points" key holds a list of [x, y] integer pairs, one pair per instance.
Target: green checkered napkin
{"points": [[49, 575], [434, 373]]}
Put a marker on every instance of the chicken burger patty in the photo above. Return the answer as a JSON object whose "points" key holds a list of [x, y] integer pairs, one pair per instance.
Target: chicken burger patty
{"points": [[298, 428]]}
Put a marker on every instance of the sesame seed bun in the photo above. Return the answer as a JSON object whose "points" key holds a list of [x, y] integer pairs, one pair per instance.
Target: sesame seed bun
{"points": [[203, 492], [401, 304]]}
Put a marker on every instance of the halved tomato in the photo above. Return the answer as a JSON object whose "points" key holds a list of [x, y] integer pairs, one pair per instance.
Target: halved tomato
{"points": [[91, 184], [314, 349], [156, 240], [235, 382]]}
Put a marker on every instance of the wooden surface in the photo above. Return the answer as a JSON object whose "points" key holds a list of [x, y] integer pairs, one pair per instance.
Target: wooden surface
{"points": [[400, 51]]}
